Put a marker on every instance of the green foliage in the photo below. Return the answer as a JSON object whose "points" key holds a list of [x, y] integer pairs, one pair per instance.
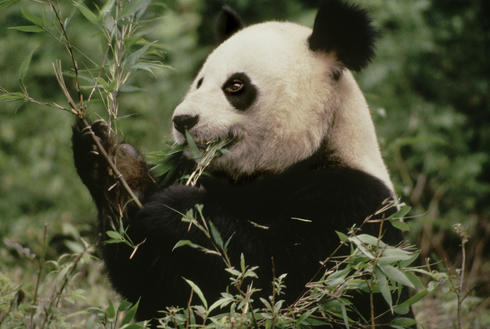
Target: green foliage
{"points": [[428, 90], [58, 293], [372, 267]]}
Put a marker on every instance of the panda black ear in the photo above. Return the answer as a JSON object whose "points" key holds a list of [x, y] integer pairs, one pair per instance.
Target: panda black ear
{"points": [[227, 24], [346, 30]]}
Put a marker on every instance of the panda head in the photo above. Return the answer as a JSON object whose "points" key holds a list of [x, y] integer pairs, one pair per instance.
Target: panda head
{"points": [[282, 91]]}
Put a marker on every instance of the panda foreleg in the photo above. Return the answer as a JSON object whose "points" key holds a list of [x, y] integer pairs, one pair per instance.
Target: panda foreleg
{"points": [[112, 200]]}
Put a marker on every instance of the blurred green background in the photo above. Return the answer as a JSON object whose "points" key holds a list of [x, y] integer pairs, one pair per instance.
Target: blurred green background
{"points": [[428, 89]]}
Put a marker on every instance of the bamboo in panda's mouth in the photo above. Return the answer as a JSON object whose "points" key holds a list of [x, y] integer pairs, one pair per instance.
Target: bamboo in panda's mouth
{"points": [[211, 151]]}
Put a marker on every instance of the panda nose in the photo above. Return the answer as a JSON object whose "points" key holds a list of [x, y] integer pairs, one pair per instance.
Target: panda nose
{"points": [[185, 121]]}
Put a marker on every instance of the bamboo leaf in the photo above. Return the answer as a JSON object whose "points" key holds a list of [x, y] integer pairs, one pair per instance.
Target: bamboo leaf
{"points": [[135, 8], [27, 28], [129, 316], [134, 58], [404, 307], [189, 243], [132, 326], [7, 3], [114, 235], [216, 235], [242, 262], [370, 240], [125, 305], [396, 275], [196, 154], [87, 13], [384, 288], [344, 316], [342, 236], [9, 97], [402, 226], [415, 280], [24, 66], [361, 248], [107, 8], [198, 292], [31, 17], [110, 312], [402, 322], [401, 213]]}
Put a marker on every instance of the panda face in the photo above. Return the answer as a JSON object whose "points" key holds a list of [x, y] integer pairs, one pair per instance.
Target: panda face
{"points": [[268, 91]]}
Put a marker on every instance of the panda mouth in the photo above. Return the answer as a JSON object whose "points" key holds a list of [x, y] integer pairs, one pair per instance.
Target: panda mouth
{"points": [[215, 144]]}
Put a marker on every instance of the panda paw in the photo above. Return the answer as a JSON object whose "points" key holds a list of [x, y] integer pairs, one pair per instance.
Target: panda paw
{"points": [[93, 147], [86, 142]]}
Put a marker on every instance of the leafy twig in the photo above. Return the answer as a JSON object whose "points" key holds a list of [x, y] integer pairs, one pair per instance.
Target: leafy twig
{"points": [[72, 56]]}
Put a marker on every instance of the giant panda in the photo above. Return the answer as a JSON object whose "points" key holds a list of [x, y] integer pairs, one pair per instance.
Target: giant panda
{"points": [[304, 146]]}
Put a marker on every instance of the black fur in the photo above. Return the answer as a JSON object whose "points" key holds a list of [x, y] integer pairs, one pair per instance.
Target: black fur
{"points": [[331, 196], [247, 95], [227, 24], [346, 30]]}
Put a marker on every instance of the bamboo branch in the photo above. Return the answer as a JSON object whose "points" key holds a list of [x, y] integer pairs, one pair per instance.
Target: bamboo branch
{"points": [[80, 111], [72, 56]]}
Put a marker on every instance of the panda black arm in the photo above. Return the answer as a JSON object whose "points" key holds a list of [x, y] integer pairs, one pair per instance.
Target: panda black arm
{"points": [[328, 199]]}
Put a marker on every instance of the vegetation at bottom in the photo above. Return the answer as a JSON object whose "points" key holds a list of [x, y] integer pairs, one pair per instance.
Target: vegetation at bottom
{"points": [[129, 62]]}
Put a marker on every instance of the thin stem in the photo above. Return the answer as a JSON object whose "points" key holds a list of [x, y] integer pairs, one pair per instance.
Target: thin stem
{"points": [[70, 51]]}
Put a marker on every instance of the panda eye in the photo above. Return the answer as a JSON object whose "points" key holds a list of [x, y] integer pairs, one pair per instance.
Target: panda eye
{"points": [[240, 91], [234, 86]]}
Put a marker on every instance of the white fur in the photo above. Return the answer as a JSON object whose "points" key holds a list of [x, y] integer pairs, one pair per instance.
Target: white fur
{"points": [[298, 105]]}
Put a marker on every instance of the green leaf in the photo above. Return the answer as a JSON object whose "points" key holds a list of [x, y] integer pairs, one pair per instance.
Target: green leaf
{"points": [[384, 287], [87, 13], [396, 275], [393, 255], [129, 316], [404, 307], [114, 235], [216, 235], [135, 8], [27, 28], [360, 246], [132, 326], [198, 292], [301, 320], [189, 243], [370, 240], [125, 305], [9, 97], [196, 154], [401, 213], [342, 236], [233, 272], [110, 312], [134, 57], [402, 226], [24, 66], [229, 240], [7, 3], [403, 322], [31, 17], [415, 280], [344, 316], [242, 262], [107, 8], [337, 278]]}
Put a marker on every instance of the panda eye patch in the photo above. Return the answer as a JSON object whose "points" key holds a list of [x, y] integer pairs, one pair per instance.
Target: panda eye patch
{"points": [[240, 91]]}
